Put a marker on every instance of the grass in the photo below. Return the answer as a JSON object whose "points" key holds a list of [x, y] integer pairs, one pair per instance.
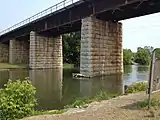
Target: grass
{"points": [[144, 104], [65, 66], [137, 87], [83, 102], [49, 112], [14, 66], [10, 66]]}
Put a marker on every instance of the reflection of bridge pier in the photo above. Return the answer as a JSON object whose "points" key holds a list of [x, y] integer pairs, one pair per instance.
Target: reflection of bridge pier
{"points": [[48, 83], [111, 84]]}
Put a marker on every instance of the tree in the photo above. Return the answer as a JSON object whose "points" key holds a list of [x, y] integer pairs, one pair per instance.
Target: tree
{"points": [[127, 57], [142, 56], [149, 49], [71, 48]]}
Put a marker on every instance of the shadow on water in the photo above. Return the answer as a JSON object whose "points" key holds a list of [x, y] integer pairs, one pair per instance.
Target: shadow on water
{"points": [[56, 87]]}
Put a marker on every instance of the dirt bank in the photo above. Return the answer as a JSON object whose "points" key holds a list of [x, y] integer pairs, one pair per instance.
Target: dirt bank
{"points": [[120, 108]]}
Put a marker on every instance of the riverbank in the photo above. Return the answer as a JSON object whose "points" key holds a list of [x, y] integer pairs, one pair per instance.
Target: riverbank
{"points": [[25, 66], [12, 66], [119, 108]]}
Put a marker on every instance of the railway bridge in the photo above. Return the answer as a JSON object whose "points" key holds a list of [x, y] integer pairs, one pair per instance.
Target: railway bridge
{"points": [[38, 39]]}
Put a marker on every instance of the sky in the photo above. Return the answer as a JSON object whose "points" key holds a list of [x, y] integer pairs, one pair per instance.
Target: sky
{"points": [[137, 32]]}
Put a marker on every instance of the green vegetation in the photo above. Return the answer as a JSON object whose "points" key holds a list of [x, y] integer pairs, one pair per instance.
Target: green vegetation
{"points": [[48, 112], [142, 56], [71, 48], [127, 57], [17, 100], [144, 104], [137, 87], [10, 66], [83, 102], [65, 66], [23, 66]]}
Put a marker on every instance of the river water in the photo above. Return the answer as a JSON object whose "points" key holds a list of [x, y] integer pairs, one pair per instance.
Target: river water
{"points": [[57, 88]]}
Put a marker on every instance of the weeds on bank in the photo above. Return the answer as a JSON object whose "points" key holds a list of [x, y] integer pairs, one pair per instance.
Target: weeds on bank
{"points": [[137, 87], [144, 104], [17, 100], [154, 107], [83, 102], [48, 112]]}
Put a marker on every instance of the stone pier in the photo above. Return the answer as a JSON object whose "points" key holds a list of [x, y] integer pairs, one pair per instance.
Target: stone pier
{"points": [[101, 47], [4, 53], [45, 52], [18, 51]]}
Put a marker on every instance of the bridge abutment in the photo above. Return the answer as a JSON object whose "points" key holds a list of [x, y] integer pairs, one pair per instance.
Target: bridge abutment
{"points": [[101, 47], [18, 51], [45, 52], [4, 53]]}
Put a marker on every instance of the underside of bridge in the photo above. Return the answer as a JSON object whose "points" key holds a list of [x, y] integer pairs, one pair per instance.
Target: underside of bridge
{"points": [[39, 43]]}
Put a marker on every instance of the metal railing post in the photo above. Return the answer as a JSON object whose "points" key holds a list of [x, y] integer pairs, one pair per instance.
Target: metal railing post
{"points": [[151, 77]]}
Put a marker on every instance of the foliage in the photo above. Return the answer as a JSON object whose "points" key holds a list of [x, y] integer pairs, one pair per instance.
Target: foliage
{"points": [[144, 103], [71, 48], [127, 57], [83, 102], [66, 66], [48, 112], [137, 87], [11, 66], [149, 49], [142, 56], [17, 100]]}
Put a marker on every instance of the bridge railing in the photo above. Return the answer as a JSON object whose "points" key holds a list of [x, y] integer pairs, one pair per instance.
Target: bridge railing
{"points": [[47, 11]]}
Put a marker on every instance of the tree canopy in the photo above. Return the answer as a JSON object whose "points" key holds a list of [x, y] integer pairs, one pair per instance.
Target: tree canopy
{"points": [[127, 57]]}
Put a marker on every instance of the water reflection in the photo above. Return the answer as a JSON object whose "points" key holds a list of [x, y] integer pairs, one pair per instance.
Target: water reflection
{"points": [[142, 68], [137, 73], [111, 84], [56, 87], [18, 74], [48, 84], [127, 69], [4, 76]]}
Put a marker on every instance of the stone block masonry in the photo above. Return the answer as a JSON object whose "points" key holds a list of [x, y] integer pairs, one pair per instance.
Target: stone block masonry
{"points": [[4, 53], [45, 52], [18, 52], [101, 47]]}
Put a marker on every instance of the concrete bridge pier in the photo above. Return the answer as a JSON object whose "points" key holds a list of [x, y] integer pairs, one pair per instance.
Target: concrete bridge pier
{"points": [[4, 53], [101, 47], [18, 51], [45, 52]]}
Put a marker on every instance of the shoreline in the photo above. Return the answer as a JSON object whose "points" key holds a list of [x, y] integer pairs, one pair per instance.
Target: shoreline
{"points": [[76, 113], [7, 66]]}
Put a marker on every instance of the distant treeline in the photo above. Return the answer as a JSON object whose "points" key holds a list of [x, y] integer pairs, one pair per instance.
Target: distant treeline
{"points": [[142, 56], [71, 51]]}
